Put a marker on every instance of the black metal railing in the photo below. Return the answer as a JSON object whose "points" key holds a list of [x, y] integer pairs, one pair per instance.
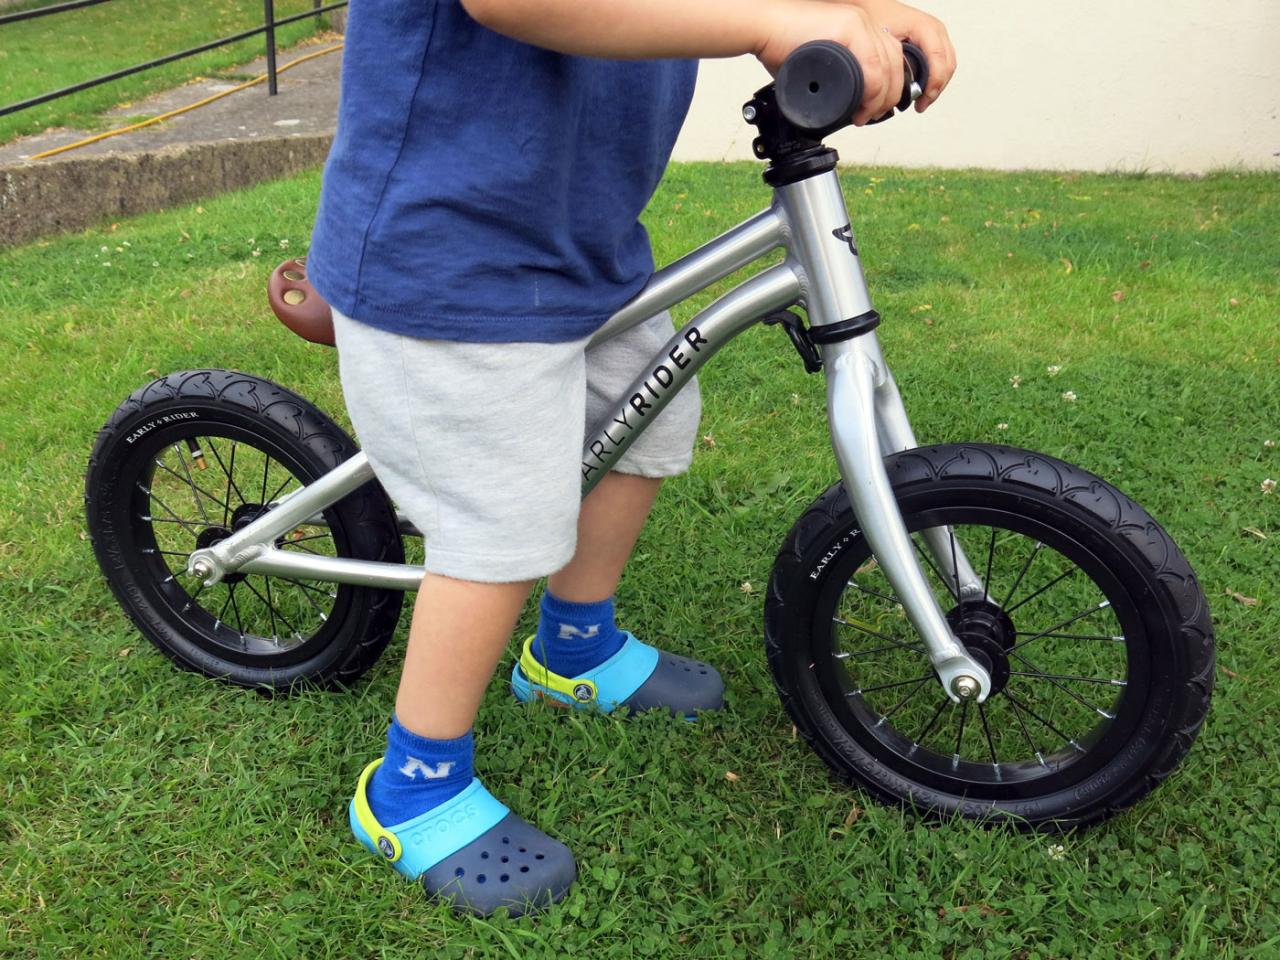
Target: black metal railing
{"points": [[269, 25]]}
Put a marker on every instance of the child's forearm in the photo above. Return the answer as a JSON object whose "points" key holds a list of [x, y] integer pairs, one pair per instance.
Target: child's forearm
{"points": [[643, 29], [635, 29]]}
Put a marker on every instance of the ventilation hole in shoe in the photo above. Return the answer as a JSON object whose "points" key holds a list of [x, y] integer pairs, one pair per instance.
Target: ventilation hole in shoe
{"points": [[504, 878], [539, 856], [506, 839], [703, 672], [479, 878], [506, 859], [523, 850], [524, 869], [485, 855], [459, 872]]}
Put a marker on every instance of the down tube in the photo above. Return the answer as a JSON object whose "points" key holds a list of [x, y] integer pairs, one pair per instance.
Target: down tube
{"points": [[673, 368]]}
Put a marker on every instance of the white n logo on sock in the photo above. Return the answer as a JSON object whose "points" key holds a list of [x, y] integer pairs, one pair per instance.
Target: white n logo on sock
{"points": [[413, 765], [569, 632]]}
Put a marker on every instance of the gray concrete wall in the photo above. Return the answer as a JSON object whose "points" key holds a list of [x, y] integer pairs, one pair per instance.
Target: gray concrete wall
{"points": [[76, 192], [1176, 85]]}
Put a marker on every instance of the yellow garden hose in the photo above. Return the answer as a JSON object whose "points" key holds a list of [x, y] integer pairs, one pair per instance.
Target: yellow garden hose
{"points": [[191, 106]]}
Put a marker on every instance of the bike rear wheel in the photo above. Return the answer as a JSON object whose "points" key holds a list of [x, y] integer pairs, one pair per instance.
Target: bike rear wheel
{"points": [[194, 456], [1092, 625]]}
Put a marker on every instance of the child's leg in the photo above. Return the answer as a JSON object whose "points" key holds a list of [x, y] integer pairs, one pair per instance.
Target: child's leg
{"points": [[578, 653], [498, 507], [459, 630], [611, 519]]}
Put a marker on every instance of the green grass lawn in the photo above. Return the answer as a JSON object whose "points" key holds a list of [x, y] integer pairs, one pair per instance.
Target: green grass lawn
{"points": [[48, 53], [150, 812]]}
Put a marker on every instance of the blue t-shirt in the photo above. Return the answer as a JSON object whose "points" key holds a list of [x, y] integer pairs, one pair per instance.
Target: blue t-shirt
{"points": [[484, 189]]}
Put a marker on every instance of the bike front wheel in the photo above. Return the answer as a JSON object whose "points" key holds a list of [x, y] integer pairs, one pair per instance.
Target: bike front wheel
{"points": [[1091, 623]]}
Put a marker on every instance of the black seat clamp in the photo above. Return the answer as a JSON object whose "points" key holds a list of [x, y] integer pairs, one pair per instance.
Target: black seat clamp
{"points": [[845, 329]]}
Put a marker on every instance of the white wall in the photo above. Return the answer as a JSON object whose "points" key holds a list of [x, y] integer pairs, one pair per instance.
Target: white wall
{"points": [[1178, 85]]}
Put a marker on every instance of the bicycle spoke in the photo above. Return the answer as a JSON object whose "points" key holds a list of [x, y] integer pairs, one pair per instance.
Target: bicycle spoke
{"points": [[1027, 733], [271, 610], [903, 702], [875, 650], [194, 489], [1059, 676], [230, 473], [1058, 579], [867, 630], [915, 742], [165, 506], [283, 483], [266, 465], [194, 597], [283, 619], [964, 710], [307, 586], [311, 536], [955, 563], [1039, 674], [217, 621], [294, 543], [324, 617], [1067, 636], [194, 486], [235, 608], [991, 555], [887, 686], [1079, 616], [1056, 732], [982, 715], [929, 560], [1021, 573], [883, 596]]}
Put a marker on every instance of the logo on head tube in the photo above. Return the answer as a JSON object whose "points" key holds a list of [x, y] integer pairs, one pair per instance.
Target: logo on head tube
{"points": [[845, 235]]}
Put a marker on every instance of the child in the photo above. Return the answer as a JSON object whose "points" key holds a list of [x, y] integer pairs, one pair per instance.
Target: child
{"points": [[478, 221]]}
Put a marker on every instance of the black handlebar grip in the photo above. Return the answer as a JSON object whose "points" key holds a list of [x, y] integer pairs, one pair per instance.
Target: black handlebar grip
{"points": [[917, 70], [819, 85]]}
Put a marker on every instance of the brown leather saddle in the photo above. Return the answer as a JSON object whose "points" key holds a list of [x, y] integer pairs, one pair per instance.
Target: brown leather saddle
{"points": [[297, 304]]}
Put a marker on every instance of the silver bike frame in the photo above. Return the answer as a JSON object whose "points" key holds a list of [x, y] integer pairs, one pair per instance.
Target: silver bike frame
{"points": [[822, 273]]}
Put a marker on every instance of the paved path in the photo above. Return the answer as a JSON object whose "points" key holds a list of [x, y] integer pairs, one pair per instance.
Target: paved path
{"points": [[234, 142], [307, 104]]}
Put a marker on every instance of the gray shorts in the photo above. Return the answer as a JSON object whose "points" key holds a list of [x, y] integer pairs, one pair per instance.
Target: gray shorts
{"points": [[480, 444]]}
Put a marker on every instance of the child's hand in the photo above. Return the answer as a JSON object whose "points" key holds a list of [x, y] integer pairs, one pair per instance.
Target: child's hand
{"points": [[926, 32], [878, 53]]}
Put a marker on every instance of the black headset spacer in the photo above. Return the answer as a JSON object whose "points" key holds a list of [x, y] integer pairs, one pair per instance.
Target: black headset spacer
{"points": [[845, 329]]}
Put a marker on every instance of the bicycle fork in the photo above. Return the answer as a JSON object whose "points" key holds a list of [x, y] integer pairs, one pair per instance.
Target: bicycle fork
{"points": [[868, 421]]}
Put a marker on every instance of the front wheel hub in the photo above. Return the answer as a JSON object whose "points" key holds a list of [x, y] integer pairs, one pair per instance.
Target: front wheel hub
{"points": [[988, 635]]}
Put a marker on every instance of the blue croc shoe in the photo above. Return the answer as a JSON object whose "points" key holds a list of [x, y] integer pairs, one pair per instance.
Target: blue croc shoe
{"points": [[470, 848], [638, 677]]}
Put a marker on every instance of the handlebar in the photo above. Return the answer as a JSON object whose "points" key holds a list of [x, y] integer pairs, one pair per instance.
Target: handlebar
{"points": [[820, 86]]}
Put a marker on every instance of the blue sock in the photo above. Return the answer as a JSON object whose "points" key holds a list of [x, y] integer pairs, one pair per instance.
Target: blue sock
{"points": [[573, 638], [417, 774]]}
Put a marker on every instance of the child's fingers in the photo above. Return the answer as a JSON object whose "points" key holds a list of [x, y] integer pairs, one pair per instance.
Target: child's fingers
{"points": [[882, 73], [941, 54], [867, 44]]}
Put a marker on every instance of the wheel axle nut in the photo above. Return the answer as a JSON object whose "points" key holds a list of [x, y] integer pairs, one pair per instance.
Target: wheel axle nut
{"points": [[202, 569], [965, 687]]}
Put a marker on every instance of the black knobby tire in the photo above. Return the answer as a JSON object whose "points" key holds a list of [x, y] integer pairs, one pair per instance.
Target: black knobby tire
{"points": [[205, 437], [1111, 703]]}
